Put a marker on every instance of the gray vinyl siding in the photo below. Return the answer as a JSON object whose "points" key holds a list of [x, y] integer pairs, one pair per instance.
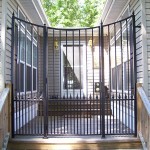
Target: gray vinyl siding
{"points": [[53, 70], [147, 11], [40, 65], [11, 7], [135, 5], [0, 42]]}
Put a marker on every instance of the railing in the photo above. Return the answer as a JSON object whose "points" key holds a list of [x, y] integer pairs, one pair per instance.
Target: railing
{"points": [[5, 107], [143, 120]]}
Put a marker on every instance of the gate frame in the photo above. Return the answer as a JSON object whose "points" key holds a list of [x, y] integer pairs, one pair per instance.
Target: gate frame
{"points": [[45, 86]]}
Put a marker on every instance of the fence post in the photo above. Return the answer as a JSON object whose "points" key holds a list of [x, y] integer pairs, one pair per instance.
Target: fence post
{"points": [[12, 73], [102, 83], [45, 103], [135, 73]]}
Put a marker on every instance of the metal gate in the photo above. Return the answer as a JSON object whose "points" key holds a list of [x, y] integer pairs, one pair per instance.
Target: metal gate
{"points": [[73, 81]]}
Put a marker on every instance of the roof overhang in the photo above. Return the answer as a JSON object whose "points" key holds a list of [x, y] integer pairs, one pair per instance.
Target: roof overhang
{"points": [[112, 10], [34, 10]]}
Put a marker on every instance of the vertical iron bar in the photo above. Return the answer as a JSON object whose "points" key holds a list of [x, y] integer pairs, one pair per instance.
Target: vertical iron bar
{"points": [[66, 64], [86, 80], [22, 116], [12, 73], [25, 70], [42, 114], [53, 64], [121, 39], [73, 68], [29, 127], [110, 80], [37, 80], [86, 64], [45, 80], [102, 86], [31, 75], [77, 114], [70, 110], [67, 113], [54, 94], [18, 61], [98, 96], [100, 58], [80, 79], [60, 53], [93, 81], [16, 104], [128, 74], [135, 74], [37, 62], [116, 71], [74, 100], [32, 115], [57, 114], [61, 110], [93, 61], [90, 113], [19, 117], [80, 63]]}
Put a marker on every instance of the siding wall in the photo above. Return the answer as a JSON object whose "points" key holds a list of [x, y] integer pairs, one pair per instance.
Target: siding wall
{"points": [[11, 7], [40, 65], [135, 6], [0, 44], [147, 17]]}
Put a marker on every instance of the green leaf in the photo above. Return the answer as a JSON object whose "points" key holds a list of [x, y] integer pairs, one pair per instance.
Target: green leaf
{"points": [[73, 13]]}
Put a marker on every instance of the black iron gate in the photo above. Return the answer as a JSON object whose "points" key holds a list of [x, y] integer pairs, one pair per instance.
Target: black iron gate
{"points": [[73, 81]]}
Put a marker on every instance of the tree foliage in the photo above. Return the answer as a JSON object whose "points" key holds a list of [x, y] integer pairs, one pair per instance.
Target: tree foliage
{"points": [[73, 13]]}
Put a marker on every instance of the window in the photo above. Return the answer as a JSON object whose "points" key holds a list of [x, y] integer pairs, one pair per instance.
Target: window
{"points": [[122, 72], [27, 57], [127, 75], [117, 77]]}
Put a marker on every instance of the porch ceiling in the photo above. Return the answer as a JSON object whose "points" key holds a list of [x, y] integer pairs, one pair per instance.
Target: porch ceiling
{"points": [[35, 12], [112, 10]]}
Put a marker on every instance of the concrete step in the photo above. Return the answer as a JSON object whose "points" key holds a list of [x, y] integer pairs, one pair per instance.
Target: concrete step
{"points": [[74, 143]]}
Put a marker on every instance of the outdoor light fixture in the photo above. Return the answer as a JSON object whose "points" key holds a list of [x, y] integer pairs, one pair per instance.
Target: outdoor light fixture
{"points": [[90, 43], [56, 44]]}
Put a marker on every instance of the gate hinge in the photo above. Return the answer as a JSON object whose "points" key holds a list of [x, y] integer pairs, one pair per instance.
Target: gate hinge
{"points": [[138, 27], [9, 28]]}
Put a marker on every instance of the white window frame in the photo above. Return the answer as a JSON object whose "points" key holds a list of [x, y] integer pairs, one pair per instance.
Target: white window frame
{"points": [[34, 43], [112, 41], [83, 90]]}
